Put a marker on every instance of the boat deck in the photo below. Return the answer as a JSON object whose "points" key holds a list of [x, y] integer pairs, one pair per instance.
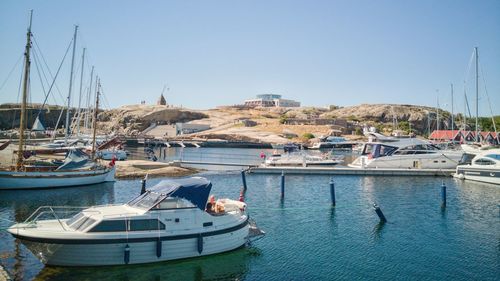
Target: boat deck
{"points": [[351, 171]]}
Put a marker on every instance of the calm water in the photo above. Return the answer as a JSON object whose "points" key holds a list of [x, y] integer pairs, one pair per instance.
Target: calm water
{"points": [[306, 238]]}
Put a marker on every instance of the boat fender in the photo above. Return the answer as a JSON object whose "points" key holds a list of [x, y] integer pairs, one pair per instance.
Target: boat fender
{"points": [[200, 243], [126, 256], [158, 248]]}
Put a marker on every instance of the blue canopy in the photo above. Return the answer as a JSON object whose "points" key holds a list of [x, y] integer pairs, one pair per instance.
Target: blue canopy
{"points": [[76, 160], [195, 189]]}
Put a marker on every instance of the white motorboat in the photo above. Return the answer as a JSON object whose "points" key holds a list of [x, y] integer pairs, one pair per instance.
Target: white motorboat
{"points": [[302, 159], [335, 143], [484, 167], [406, 154], [109, 154], [168, 221]]}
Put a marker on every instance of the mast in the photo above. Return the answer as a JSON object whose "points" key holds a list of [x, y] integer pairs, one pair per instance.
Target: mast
{"points": [[86, 122], [22, 121], [66, 134], [452, 117], [477, 95], [80, 96], [437, 115], [94, 124]]}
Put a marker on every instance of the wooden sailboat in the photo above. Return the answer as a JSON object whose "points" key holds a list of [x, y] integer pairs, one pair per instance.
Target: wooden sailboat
{"points": [[77, 169]]}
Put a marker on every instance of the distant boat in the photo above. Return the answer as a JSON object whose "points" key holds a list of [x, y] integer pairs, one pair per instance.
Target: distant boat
{"points": [[77, 169], [302, 159], [484, 167], [169, 221]]}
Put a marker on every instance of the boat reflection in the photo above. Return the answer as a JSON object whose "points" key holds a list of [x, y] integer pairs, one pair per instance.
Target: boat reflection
{"points": [[232, 265], [22, 203]]}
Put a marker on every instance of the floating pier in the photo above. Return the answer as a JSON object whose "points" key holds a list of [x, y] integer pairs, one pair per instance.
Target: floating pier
{"points": [[351, 171]]}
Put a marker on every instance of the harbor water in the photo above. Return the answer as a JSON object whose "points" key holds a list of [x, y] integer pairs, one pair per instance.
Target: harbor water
{"points": [[307, 238]]}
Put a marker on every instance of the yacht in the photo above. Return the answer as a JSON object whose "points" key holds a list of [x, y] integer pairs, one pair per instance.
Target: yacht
{"points": [[336, 143], [408, 153], [302, 159], [484, 167], [166, 222]]}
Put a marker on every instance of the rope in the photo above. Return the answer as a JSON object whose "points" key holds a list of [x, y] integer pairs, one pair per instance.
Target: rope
{"points": [[12, 70]]}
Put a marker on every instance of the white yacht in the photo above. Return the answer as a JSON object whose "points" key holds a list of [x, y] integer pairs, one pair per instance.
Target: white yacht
{"points": [[408, 153], [484, 167], [302, 159], [167, 222]]}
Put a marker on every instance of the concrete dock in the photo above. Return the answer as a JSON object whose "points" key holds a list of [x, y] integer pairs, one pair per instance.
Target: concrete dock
{"points": [[351, 171]]}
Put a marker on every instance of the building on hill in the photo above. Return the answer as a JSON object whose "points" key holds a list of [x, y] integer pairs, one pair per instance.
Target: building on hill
{"points": [[161, 100], [271, 100]]}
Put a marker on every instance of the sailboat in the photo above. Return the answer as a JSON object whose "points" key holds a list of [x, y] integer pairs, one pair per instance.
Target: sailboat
{"points": [[477, 147], [77, 168]]}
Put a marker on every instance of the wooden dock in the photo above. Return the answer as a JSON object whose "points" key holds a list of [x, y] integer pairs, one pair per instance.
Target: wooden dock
{"points": [[351, 171]]}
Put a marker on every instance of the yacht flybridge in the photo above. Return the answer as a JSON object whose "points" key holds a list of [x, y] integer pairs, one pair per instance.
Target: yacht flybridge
{"points": [[408, 153], [167, 222]]}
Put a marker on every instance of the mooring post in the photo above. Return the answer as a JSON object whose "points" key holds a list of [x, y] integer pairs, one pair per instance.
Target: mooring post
{"points": [[282, 184], [443, 195], [243, 178], [332, 191], [379, 213], [143, 185]]}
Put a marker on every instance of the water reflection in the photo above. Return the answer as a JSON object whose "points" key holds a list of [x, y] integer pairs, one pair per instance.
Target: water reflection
{"points": [[17, 205], [226, 266], [24, 202]]}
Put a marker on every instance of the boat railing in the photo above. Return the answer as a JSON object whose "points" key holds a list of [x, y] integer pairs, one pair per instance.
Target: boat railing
{"points": [[57, 212]]}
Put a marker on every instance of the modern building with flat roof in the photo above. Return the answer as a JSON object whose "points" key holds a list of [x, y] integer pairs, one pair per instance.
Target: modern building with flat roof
{"points": [[271, 100]]}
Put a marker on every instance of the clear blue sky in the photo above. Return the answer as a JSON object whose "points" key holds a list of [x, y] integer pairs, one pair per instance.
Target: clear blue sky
{"points": [[213, 53]]}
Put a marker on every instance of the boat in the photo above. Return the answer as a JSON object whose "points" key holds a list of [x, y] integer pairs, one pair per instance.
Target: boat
{"points": [[406, 154], [77, 169], [166, 222], [335, 143], [302, 159], [484, 167]]}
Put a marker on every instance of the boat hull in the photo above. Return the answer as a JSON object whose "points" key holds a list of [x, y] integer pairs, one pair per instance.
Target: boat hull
{"points": [[422, 161], [141, 250], [34, 180], [478, 174]]}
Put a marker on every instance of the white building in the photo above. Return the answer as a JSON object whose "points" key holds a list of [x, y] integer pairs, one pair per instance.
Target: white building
{"points": [[270, 100]]}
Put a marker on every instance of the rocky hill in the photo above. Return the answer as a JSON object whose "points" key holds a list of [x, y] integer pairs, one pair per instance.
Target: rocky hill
{"points": [[132, 119]]}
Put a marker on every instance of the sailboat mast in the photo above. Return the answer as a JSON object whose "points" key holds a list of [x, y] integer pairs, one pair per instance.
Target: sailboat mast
{"points": [[437, 115], [80, 96], [452, 114], [66, 134], [86, 123], [477, 95], [94, 125], [22, 121]]}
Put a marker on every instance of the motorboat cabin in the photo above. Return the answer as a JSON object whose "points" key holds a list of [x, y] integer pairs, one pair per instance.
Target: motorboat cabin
{"points": [[167, 222]]}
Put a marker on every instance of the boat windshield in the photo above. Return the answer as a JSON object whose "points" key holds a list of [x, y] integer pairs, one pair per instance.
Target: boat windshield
{"points": [[493, 156], [147, 200]]}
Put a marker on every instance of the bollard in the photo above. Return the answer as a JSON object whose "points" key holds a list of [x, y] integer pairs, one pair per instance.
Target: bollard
{"points": [[443, 195], [126, 254], [379, 213], [143, 185], [282, 185], [243, 178], [332, 191]]}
